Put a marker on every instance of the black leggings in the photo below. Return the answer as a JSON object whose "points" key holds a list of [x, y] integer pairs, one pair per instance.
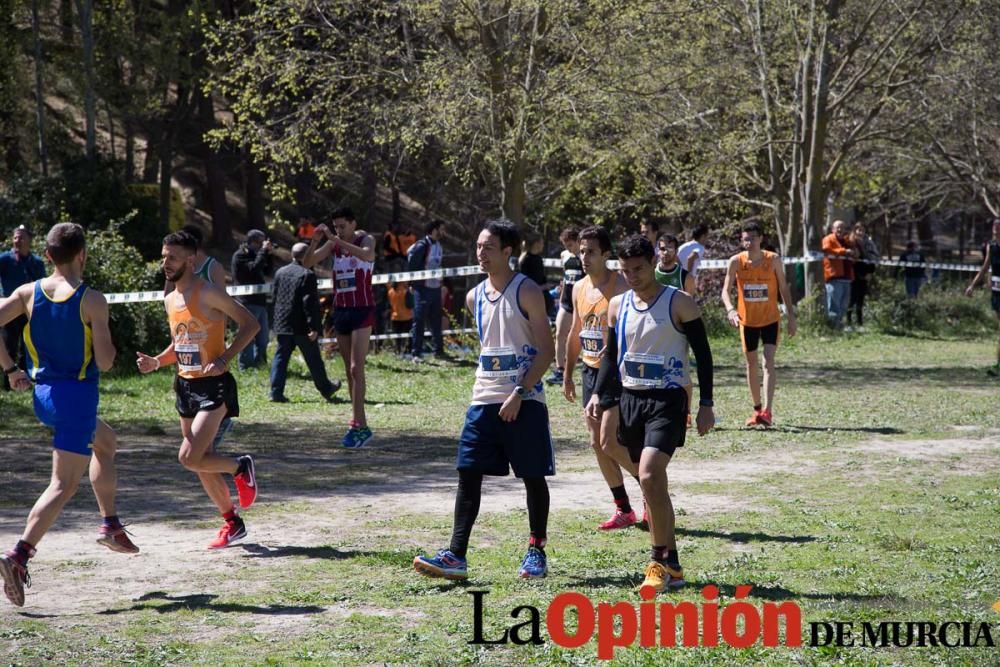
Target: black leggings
{"points": [[859, 290], [467, 500]]}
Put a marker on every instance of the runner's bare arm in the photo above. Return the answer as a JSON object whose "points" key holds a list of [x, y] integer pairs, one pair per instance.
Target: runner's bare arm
{"points": [[365, 252], [731, 313], [10, 308], [691, 260], [247, 325], [689, 283], [319, 247], [95, 313], [534, 305], [470, 302], [786, 296], [981, 273], [572, 348], [218, 274], [14, 305]]}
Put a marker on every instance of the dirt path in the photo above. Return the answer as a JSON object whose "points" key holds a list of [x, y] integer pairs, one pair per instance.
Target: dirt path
{"points": [[74, 576]]}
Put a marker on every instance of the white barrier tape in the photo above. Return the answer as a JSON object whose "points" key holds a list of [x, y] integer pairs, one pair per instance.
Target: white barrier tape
{"points": [[552, 263], [396, 336]]}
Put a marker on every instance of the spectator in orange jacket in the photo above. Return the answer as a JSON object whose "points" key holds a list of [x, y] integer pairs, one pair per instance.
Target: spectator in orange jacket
{"points": [[838, 272]]}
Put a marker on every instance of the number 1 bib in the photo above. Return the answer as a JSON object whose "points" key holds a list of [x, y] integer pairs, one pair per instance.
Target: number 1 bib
{"points": [[644, 370]]}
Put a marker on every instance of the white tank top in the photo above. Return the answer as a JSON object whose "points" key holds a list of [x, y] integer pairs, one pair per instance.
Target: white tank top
{"points": [[652, 351], [507, 347]]}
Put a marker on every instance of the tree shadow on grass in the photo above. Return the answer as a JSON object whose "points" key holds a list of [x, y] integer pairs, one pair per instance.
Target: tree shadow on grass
{"points": [[293, 465], [320, 552], [204, 601], [744, 538], [880, 430]]}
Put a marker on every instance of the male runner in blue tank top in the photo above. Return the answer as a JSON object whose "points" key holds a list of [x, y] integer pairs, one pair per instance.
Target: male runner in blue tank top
{"points": [[991, 263], [507, 424], [651, 327], [69, 343]]}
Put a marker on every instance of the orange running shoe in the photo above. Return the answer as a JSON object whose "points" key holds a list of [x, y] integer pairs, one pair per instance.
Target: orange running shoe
{"points": [[230, 532], [764, 418]]}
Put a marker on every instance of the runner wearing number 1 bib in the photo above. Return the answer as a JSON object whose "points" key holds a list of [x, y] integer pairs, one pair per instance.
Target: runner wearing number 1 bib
{"points": [[651, 328], [759, 277], [587, 340], [507, 423]]}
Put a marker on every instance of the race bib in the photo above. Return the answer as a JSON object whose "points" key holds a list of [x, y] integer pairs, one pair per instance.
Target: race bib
{"points": [[591, 343], [644, 370], [754, 292], [570, 276], [188, 357], [497, 362], [346, 281]]}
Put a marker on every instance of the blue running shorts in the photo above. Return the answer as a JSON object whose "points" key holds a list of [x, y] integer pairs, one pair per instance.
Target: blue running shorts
{"points": [[491, 446], [69, 408]]}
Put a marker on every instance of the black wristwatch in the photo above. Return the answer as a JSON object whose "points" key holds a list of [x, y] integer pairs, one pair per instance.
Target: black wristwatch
{"points": [[520, 390], [706, 403]]}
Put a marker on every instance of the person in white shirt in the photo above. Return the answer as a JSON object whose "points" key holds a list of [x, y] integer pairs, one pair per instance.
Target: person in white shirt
{"points": [[691, 253]]}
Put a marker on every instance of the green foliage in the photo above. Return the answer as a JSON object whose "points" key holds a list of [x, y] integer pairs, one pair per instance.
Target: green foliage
{"points": [[937, 311], [93, 194], [114, 265]]}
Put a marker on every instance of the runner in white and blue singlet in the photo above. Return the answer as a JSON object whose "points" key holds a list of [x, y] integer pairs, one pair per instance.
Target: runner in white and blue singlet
{"points": [[652, 327], [507, 423]]}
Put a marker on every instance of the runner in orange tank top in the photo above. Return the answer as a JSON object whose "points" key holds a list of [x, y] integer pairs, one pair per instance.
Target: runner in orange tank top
{"points": [[206, 391], [587, 338], [759, 277]]}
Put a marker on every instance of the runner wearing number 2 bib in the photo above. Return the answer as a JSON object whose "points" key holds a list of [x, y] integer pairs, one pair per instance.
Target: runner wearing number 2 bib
{"points": [[507, 424], [759, 276], [651, 328]]}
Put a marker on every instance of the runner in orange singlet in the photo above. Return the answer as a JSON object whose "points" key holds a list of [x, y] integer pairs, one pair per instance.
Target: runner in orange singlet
{"points": [[759, 277], [206, 391]]}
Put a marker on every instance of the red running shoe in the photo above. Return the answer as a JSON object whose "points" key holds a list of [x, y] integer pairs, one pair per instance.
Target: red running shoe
{"points": [[619, 520], [754, 419], [117, 539], [764, 418], [230, 532], [15, 579], [246, 481]]}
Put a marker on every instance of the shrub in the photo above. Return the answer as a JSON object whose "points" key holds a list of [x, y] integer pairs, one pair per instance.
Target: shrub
{"points": [[115, 266]]}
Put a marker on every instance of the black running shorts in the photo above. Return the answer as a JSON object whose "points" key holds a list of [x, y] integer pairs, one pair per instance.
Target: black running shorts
{"points": [[995, 300], [752, 336], [589, 381], [206, 394], [654, 418]]}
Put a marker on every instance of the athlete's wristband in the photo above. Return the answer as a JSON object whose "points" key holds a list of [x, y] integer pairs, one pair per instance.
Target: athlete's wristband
{"points": [[706, 403], [12, 369]]}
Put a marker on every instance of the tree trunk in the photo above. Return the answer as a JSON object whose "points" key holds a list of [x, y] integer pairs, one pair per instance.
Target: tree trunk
{"points": [[66, 21], [9, 95], [215, 175], [129, 150], [85, 8], [513, 193], [43, 150], [253, 192], [166, 155], [369, 188]]}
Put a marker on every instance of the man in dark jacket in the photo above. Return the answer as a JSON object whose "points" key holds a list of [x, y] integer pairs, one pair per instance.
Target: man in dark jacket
{"points": [[426, 254], [297, 324], [251, 264], [18, 267]]}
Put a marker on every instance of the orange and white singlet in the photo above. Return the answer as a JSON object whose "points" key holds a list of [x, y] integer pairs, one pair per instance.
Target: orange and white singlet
{"points": [[591, 304], [198, 339], [757, 287]]}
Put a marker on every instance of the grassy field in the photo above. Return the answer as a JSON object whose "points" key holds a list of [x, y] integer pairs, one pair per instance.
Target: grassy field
{"points": [[875, 498]]}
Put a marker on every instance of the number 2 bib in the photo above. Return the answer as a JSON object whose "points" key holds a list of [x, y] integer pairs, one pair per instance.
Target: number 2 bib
{"points": [[496, 362]]}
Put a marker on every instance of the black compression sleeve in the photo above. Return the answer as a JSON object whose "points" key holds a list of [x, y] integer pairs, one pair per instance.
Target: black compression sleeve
{"points": [[698, 339], [607, 374]]}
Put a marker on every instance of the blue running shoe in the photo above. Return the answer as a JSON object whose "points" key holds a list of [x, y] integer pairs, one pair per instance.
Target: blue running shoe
{"points": [[534, 565], [357, 437], [443, 564]]}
